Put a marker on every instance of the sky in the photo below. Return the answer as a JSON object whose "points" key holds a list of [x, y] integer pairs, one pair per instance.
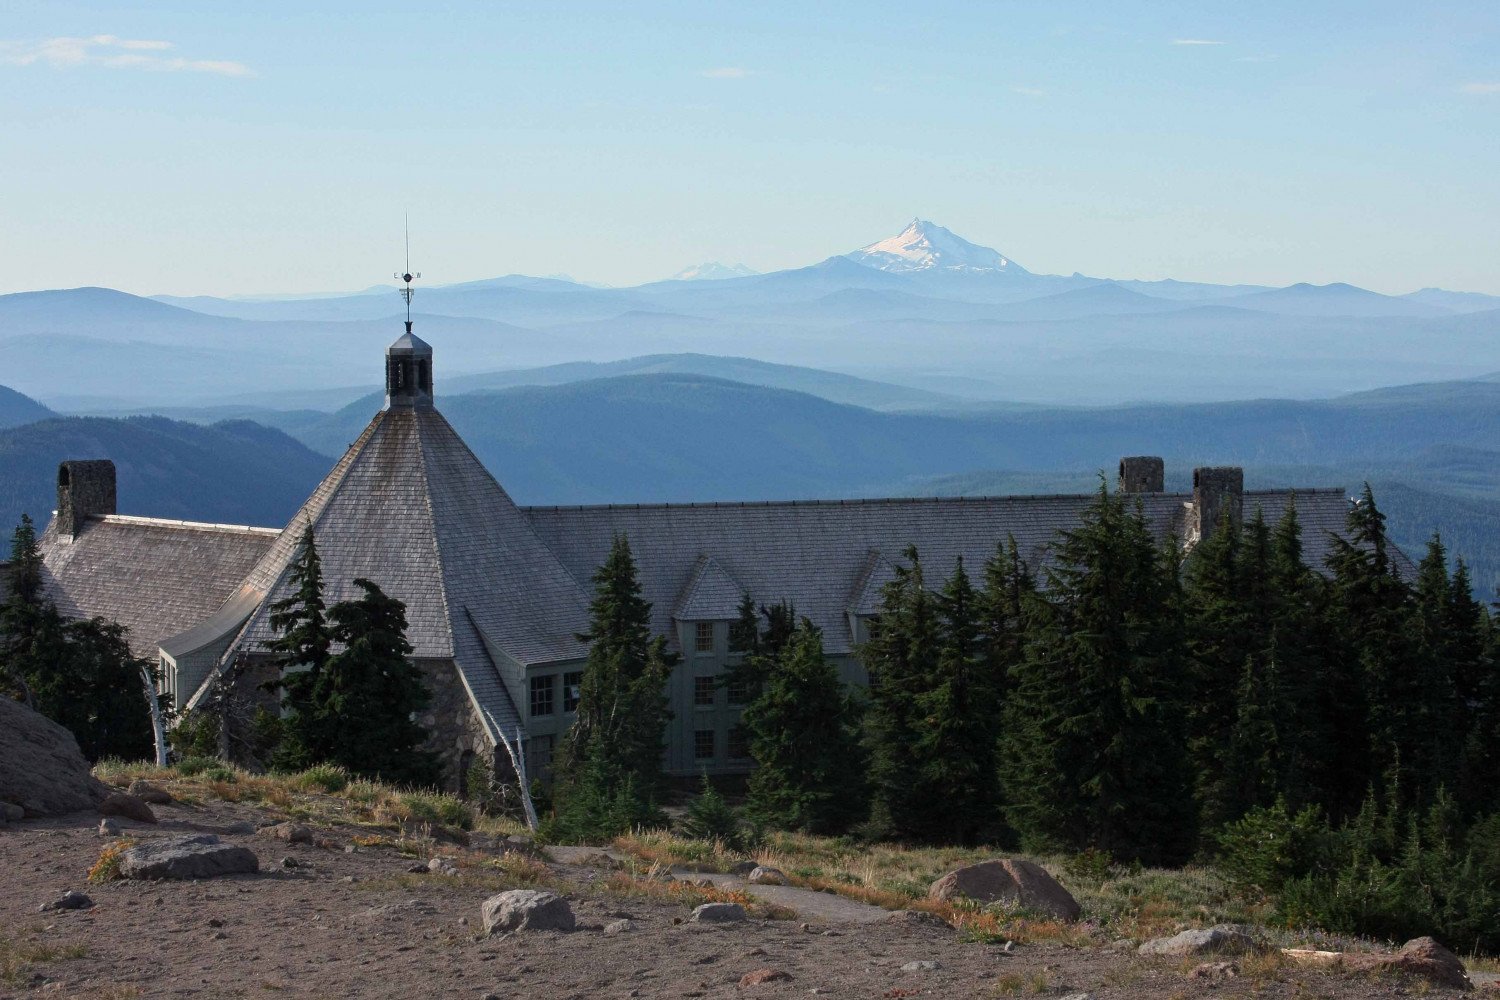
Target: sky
{"points": [[276, 147]]}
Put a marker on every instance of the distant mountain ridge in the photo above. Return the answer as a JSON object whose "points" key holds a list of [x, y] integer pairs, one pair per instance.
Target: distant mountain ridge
{"points": [[712, 270], [926, 246], [16, 409]]}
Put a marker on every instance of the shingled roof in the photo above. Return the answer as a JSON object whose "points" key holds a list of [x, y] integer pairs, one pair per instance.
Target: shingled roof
{"points": [[410, 507], [157, 577], [830, 557]]}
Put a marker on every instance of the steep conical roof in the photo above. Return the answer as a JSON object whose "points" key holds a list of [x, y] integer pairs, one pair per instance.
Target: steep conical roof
{"points": [[410, 507]]}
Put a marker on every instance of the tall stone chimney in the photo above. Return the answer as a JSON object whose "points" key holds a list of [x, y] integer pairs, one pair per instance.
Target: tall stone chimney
{"points": [[1142, 474], [1217, 489], [83, 489]]}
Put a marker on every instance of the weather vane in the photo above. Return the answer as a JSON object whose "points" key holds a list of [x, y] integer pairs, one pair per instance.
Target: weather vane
{"points": [[407, 276]]}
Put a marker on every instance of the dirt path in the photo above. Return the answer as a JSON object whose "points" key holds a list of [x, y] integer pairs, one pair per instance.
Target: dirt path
{"points": [[361, 925]]}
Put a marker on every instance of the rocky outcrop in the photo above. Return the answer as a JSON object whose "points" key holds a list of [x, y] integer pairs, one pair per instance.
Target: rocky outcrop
{"points": [[1422, 957], [718, 913], [1011, 880], [126, 806], [766, 875], [44, 773], [1221, 939], [149, 793], [201, 856], [526, 909], [292, 833]]}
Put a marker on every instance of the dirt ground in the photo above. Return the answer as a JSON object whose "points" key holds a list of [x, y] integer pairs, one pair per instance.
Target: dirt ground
{"points": [[360, 925]]}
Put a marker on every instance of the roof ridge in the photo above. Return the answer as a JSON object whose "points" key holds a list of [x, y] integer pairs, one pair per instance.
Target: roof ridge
{"points": [[168, 522]]}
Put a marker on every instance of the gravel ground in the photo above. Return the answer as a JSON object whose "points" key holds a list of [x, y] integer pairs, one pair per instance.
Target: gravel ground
{"points": [[358, 925]]}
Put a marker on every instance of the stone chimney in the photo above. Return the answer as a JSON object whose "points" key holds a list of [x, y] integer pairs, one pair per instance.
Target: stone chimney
{"points": [[1142, 474], [84, 489], [1215, 490]]}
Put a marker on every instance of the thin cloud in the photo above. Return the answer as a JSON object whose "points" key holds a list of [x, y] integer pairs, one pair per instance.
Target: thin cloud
{"points": [[727, 73], [1196, 41], [1257, 59], [1481, 88], [1029, 91], [111, 52]]}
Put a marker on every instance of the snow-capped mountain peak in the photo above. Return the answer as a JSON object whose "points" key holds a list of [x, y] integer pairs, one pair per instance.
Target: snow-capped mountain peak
{"points": [[926, 246], [712, 270]]}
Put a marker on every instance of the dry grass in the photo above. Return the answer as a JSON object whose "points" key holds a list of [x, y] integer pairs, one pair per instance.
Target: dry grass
{"points": [[19, 957], [107, 867]]}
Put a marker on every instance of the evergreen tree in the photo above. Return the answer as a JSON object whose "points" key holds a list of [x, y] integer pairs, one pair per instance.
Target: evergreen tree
{"points": [[804, 739], [1472, 645], [301, 650], [957, 725], [1096, 741], [1371, 613], [616, 743], [710, 818], [1001, 608], [364, 696], [755, 646], [901, 658], [79, 673]]}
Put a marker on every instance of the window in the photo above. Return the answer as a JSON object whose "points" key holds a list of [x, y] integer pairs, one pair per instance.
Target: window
{"points": [[739, 743], [541, 694], [703, 690], [572, 686], [739, 691], [703, 637], [539, 757], [703, 744]]}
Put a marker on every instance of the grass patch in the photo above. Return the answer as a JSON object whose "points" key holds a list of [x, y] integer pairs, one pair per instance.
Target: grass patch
{"points": [[107, 867], [18, 958], [324, 778]]}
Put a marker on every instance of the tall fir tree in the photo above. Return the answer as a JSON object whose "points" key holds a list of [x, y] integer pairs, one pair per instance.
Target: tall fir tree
{"points": [[957, 725], [301, 650], [1096, 735], [363, 698], [901, 657], [804, 737], [615, 746]]}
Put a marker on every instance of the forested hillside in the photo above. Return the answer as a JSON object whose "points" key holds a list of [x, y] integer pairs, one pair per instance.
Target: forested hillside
{"points": [[236, 472], [16, 409]]}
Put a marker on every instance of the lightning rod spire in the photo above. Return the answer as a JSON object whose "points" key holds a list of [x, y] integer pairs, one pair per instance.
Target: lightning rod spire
{"points": [[406, 276]]}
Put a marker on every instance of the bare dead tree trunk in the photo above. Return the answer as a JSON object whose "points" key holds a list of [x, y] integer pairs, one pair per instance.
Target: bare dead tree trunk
{"points": [[158, 724], [518, 763]]}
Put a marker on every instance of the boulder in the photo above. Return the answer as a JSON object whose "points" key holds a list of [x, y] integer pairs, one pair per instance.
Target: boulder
{"points": [[1009, 880], [147, 792], [743, 868], [1221, 939], [442, 866], [44, 772], [526, 909], [201, 856], [70, 900], [1422, 957], [622, 926], [765, 875], [240, 826], [292, 833], [127, 806], [718, 913], [11, 813], [108, 828]]}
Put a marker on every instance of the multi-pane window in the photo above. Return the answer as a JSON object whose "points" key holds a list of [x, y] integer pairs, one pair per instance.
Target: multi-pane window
{"points": [[703, 744], [572, 686], [703, 637], [703, 689], [739, 691], [739, 743], [541, 694]]}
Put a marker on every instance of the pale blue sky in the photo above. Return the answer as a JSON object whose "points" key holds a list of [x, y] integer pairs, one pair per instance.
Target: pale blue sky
{"points": [[275, 146]]}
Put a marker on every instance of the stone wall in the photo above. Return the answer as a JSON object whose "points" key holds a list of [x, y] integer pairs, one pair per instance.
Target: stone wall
{"points": [[457, 736]]}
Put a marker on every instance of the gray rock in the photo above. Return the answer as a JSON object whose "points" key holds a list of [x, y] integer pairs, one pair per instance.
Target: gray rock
{"points": [[44, 773], [921, 966], [442, 866], [126, 806], [292, 833], [618, 927], [526, 909], [108, 828], [70, 900], [241, 827], [718, 913], [766, 875], [1011, 880], [11, 812], [201, 856], [1221, 939], [147, 792], [743, 868]]}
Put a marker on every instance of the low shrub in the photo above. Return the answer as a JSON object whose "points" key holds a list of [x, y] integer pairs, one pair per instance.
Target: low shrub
{"points": [[191, 767], [324, 777]]}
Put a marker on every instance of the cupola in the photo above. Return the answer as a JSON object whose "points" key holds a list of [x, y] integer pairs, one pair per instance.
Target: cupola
{"points": [[408, 374]]}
